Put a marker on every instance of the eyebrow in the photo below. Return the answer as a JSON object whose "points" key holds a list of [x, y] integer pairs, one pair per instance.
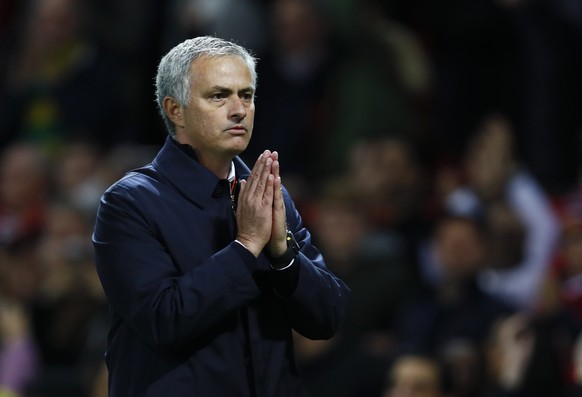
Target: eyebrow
{"points": [[218, 88]]}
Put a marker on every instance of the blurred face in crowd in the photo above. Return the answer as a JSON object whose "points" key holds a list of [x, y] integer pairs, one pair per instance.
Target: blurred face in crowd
{"points": [[460, 248], [490, 157], [339, 229], [383, 169], [76, 165], [53, 23], [218, 122], [21, 177], [298, 27], [414, 377]]}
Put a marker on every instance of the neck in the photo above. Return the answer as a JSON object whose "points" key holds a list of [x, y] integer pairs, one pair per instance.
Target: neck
{"points": [[219, 167]]}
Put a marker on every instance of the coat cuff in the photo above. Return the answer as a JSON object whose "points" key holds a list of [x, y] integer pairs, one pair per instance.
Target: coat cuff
{"points": [[285, 280], [248, 258]]}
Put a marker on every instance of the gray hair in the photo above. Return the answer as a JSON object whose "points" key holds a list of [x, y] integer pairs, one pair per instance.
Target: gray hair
{"points": [[173, 78]]}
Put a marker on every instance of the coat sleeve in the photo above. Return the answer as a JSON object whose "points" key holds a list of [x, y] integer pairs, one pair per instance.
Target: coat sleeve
{"points": [[162, 305], [317, 306]]}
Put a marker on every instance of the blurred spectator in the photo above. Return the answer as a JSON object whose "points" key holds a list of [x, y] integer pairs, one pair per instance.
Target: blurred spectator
{"points": [[69, 312], [368, 223], [516, 56], [510, 350], [295, 72], [390, 184], [19, 359], [23, 193], [522, 225], [339, 367], [354, 89], [474, 53], [453, 320], [240, 20], [75, 166], [19, 279], [380, 86], [83, 171], [530, 357], [55, 336], [388, 177], [133, 34], [58, 85], [565, 276], [339, 224], [415, 376], [373, 262]]}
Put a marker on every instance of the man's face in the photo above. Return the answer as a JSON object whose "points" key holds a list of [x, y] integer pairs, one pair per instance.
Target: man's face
{"points": [[218, 122]]}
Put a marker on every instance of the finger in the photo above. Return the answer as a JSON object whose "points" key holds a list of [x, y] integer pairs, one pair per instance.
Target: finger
{"points": [[275, 168], [268, 191], [263, 180], [257, 171], [242, 188], [277, 192]]}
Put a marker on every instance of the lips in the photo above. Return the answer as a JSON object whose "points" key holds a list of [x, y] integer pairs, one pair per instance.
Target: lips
{"points": [[238, 128]]}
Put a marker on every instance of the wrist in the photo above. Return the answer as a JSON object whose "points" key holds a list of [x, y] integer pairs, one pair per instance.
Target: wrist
{"points": [[249, 246], [278, 249], [283, 261], [287, 256]]}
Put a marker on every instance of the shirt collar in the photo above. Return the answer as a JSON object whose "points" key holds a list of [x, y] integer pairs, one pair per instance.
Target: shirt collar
{"points": [[231, 173]]}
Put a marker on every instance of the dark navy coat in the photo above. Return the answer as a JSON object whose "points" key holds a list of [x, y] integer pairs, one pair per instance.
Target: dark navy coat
{"points": [[193, 313]]}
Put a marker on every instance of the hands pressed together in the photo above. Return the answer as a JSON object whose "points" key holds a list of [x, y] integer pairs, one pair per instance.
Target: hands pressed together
{"points": [[260, 211]]}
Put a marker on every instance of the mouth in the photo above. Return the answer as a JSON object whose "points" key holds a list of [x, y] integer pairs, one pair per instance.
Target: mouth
{"points": [[237, 129]]}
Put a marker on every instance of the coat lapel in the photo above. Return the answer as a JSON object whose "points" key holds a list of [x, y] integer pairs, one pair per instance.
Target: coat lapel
{"points": [[185, 174], [188, 176]]}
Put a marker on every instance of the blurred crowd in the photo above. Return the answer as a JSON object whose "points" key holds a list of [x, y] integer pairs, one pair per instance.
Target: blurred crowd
{"points": [[433, 149]]}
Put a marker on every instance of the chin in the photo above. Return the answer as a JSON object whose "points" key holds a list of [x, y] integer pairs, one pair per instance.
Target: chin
{"points": [[236, 150], [239, 147]]}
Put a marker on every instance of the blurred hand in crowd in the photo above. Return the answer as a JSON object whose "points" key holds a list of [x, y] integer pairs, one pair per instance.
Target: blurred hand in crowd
{"points": [[511, 349], [14, 323]]}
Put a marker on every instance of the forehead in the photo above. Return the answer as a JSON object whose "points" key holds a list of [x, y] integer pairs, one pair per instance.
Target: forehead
{"points": [[225, 71]]}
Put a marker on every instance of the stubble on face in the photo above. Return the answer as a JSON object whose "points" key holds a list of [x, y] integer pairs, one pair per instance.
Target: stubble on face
{"points": [[218, 122]]}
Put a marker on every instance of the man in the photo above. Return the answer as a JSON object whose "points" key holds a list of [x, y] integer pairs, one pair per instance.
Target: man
{"points": [[205, 288]]}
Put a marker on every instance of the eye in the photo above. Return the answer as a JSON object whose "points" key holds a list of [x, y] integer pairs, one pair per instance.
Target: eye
{"points": [[247, 96], [217, 96]]}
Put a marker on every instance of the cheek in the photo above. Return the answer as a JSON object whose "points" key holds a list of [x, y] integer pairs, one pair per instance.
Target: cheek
{"points": [[250, 119], [202, 124]]}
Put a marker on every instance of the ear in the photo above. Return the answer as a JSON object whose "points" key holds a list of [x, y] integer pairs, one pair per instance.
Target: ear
{"points": [[174, 111]]}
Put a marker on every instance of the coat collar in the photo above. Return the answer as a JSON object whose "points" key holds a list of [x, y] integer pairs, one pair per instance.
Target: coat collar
{"points": [[188, 176]]}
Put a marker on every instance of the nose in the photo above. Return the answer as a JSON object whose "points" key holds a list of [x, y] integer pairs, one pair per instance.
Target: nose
{"points": [[237, 109]]}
